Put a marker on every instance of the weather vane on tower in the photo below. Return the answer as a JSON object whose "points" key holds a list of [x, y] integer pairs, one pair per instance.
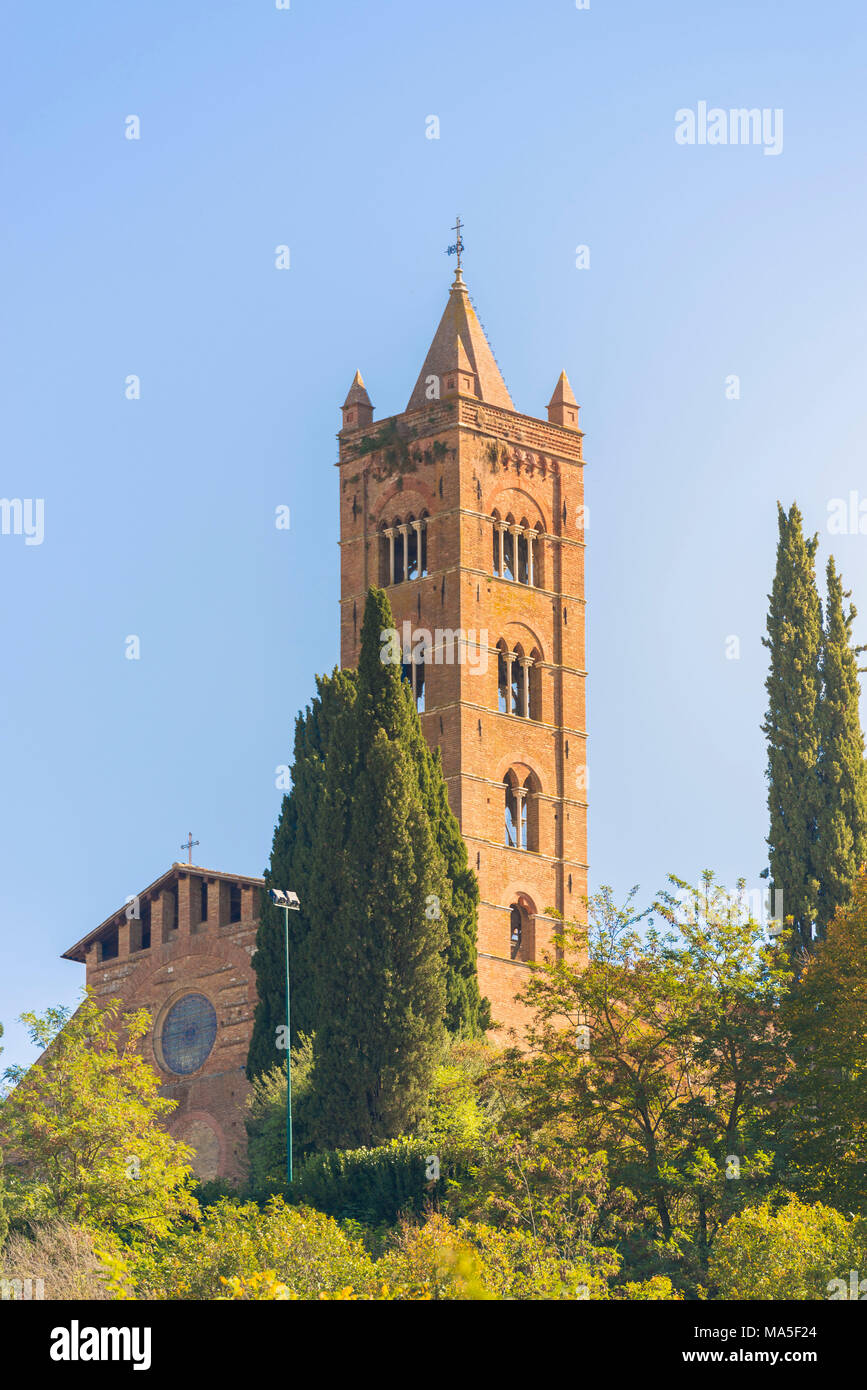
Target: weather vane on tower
{"points": [[458, 246]]}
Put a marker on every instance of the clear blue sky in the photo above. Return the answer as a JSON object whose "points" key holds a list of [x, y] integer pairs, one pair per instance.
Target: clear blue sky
{"points": [[306, 127]]}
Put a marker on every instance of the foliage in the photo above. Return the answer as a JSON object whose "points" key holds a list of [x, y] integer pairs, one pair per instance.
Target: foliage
{"points": [[792, 1253], [821, 1122], [303, 1249], [372, 1186], [841, 847], [266, 1119], [459, 1114], [663, 1052], [381, 980], [792, 726], [366, 837], [83, 1126], [68, 1259], [296, 864]]}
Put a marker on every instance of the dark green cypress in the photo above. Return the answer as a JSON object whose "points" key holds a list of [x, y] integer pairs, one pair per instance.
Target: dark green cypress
{"points": [[791, 726], [295, 865], [842, 821], [382, 994], [467, 1014]]}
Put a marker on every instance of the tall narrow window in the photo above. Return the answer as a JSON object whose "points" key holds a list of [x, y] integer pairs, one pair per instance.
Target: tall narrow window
{"points": [[523, 562], [495, 531], [535, 688], [203, 900], [399, 573], [530, 808], [502, 682], [423, 546], [413, 673], [235, 903], [508, 555], [385, 551], [412, 550], [511, 816], [418, 673], [516, 931]]}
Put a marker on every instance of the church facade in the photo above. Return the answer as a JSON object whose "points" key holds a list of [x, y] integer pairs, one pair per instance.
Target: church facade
{"points": [[471, 516], [182, 949]]}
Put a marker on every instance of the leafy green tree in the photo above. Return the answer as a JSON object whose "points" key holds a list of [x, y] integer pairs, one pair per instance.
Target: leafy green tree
{"points": [[792, 726], [664, 1051], [306, 1250], [842, 821], [822, 1118], [266, 1120], [795, 1252], [83, 1125], [381, 980]]}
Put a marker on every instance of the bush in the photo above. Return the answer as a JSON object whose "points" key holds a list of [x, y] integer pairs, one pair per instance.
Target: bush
{"points": [[266, 1119], [63, 1256], [793, 1253], [373, 1186], [304, 1250]]}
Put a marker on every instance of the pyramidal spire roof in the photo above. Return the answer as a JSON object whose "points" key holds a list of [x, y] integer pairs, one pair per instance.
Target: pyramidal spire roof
{"points": [[563, 393], [460, 349], [357, 394]]}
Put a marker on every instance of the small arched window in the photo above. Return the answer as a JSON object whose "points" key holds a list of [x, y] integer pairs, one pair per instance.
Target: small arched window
{"points": [[522, 933]]}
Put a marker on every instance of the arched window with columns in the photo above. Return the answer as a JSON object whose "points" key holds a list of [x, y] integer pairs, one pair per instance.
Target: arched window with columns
{"points": [[519, 681], [403, 549], [521, 823], [516, 550]]}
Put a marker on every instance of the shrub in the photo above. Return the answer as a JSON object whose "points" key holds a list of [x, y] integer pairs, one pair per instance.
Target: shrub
{"points": [[305, 1250], [793, 1253], [373, 1186], [63, 1256]]}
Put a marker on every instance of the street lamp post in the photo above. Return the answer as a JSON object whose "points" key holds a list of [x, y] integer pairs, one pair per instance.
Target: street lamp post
{"points": [[289, 903]]}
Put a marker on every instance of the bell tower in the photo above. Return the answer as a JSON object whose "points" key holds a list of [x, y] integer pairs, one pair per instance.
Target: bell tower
{"points": [[471, 516]]}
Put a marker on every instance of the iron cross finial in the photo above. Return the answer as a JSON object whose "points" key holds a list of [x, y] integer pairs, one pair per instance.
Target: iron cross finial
{"points": [[458, 246], [187, 844]]}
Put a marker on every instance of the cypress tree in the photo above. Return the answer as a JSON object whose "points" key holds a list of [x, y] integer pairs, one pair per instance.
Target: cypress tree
{"points": [[842, 820], [381, 977], [467, 1014], [294, 865], [791, 726]]}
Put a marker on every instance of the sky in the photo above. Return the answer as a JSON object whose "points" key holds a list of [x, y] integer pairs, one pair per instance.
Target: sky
{"points": [[159, 632]]}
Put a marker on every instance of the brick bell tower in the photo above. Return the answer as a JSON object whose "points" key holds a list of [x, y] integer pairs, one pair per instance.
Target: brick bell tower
{"points": [[471, 516]]}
